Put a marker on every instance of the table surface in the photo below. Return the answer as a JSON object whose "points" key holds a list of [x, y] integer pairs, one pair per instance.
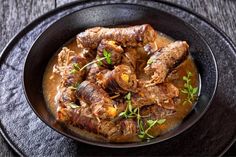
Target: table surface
{"points": [[15, 14]]}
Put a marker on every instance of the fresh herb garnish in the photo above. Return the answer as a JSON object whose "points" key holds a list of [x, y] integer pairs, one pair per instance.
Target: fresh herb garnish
{"points": [[99, 61], [75, 86], [143, 134], [129, 111], [76, 66], [107, 55], [149, 62], [73, 71], [90, 63], [189, 89]]}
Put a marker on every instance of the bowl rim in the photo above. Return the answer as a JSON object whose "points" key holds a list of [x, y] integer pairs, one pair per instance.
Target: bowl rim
{"points": [[134, 144]]}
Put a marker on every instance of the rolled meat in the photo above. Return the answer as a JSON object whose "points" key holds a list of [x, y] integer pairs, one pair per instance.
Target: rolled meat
{"points": [[99, 101], [132, 36], [130, 57], [69, 63], [120, 80], [160, 63], [93, 70], [84, 119], [162, 95]]}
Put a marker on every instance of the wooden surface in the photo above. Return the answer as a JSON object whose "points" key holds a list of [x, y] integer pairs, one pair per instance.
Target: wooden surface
{"points": [[15, 14]]}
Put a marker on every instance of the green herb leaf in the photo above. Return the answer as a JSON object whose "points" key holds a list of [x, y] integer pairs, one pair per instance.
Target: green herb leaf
{"points": [[141, 136], [184, 91], [76, 66], [150, 122], [185, 78], [130, 106], [186, 86], [189, 74], [128, 96], [189, 89], [141, 125], [195, 90], [99, 61], [161, 121], [73, 71], [122, 114], [149, 62], [135, 110], [107, 55], [129, 112]]}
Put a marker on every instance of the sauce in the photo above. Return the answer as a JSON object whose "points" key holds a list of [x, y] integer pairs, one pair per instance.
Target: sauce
{"points": [[51, 81]]}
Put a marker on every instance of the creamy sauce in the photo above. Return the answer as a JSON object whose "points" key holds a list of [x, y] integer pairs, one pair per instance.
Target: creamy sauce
{"points": [[50, 90]]}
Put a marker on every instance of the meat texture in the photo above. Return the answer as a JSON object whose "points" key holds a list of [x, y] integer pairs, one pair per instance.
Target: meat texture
{"points": [[162, 95], [132, 36], [69, 63], [83, 118], [120, 80], [93, 70], [160, 63], [99, 101], [129, 58], [156, 112]]}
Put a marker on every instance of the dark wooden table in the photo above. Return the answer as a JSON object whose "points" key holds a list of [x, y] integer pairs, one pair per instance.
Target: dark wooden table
{"points": [[15, 14]]}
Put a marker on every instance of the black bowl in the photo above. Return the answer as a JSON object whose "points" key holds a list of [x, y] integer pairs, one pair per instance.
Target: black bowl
{"points": [[111, 15]]}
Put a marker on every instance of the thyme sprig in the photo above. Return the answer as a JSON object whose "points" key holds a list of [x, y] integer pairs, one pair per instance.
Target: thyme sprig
{"points": [[90, 63], [131, 112], [189, 89], [75, 69], [143, 134], [107, 57]]}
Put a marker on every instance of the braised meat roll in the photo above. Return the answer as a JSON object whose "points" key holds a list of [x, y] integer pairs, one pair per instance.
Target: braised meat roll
{"points": [[120, 80], [129, 36], [98, 100], [68, 67], [160, 63], [162, 95]]}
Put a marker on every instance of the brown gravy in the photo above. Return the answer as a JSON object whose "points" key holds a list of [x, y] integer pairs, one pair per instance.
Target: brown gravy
{"points": [[50, 90]]}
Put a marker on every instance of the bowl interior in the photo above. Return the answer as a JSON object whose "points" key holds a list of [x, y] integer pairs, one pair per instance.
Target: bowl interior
{"points": [[111, 15]]}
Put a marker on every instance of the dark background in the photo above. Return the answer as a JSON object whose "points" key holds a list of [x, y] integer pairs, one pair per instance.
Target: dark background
{"points": [[15, 14]]}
